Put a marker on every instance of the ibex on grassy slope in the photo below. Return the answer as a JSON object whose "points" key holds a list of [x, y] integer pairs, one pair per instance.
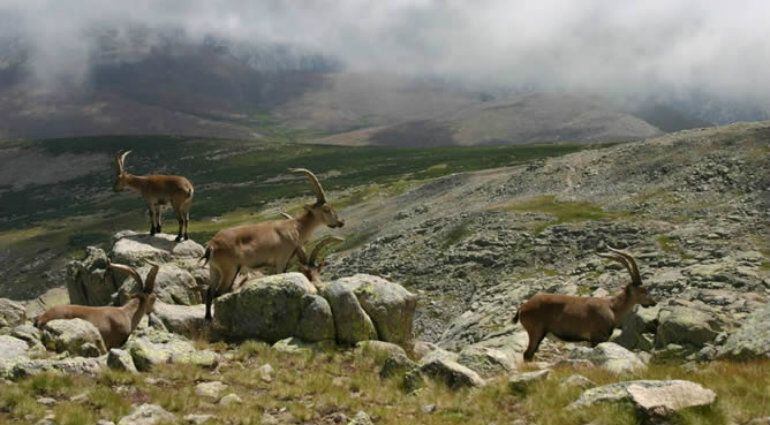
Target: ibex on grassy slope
{"points": [[582, 318], [115, 324], [270, 243], [157, 191]]}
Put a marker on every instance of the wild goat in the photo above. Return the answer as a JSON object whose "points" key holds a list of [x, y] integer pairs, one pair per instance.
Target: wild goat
{"points": [[115, 324], [582, 318], [270, 243], [310, 266], [157, 191]]}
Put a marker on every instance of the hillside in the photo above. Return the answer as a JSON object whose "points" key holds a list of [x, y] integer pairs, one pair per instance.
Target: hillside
{"points": [[468, 233]]}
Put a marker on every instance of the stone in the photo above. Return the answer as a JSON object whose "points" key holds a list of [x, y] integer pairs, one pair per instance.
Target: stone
{"points": [[390, 306], [137, 249], [611, 357], [379, 349], [751, 340], [361, 418], [580, 381], [198, 419], [271, 308], [452, 374], [521, 383], [118, 359], [351, 322], [173, 285], [635, 328], [29, 334], [46, 401], [266, 372], [88, 280], [649, 395], [158, 347], [76, 336], [487, 361], [184, 320], [12, 352], [438, 354], [147, 414], [685, 326], [666, 399], [230, 399], [11, 313], [316, 322], [210, 391], [397, 365], [91, 366], [295, 346]]}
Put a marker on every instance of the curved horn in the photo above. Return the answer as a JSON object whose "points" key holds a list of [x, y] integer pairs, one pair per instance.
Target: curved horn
{"points": [[121, 158], [319, 191], [635, 276], [286, 215], [321, 244], [149, 282], [130, 270], [301, 255], [622, 260]]}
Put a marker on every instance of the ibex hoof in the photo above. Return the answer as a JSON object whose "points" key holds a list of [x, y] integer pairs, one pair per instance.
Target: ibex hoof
{"points": [[178, 238]]}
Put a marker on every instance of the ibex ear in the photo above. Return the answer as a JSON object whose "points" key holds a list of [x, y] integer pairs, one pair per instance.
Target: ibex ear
{"points": [[149, 282]]}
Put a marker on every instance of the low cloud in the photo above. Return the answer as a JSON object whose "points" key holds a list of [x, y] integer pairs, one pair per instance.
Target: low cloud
{"points": [[655, 48]]}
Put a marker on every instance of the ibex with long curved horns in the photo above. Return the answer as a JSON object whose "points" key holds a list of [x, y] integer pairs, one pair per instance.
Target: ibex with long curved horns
{"points": [[115, 324], [582, 318], [158, 190], [309, 265], [270, 243]]}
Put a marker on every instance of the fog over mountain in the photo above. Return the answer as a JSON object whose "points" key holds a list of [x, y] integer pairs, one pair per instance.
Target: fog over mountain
{"points": [[703, 58]]}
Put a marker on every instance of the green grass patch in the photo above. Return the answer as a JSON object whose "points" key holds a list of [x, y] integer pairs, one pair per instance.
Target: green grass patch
{"points": [[561, 211]]}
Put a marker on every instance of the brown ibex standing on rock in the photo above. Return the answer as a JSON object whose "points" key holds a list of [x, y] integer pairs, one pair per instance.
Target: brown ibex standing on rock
{"points": [[270, 243], [157, 191], [115, 324], [574, 318]]}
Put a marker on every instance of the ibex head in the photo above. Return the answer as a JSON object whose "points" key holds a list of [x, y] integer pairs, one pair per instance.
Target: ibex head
{"points": [[146, 294], [310, 266], [121, 177], [638, 293], [321, 208]]}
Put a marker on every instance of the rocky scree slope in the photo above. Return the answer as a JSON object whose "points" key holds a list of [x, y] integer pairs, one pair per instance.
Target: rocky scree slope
{"points": [[691, 206]]}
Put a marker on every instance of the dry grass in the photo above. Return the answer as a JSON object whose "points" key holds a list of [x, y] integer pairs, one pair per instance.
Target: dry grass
{"points": [[312, 387]]}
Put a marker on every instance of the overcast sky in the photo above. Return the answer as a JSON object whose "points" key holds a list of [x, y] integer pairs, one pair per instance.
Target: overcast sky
{"points": [[609, 46]]}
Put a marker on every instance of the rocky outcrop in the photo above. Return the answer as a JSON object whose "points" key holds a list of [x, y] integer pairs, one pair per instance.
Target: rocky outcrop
{"points": [[11, 313], [349, 310], [273, 308], [368, 307], [75, 336], [751, 340], [137, 249], [173, 285], [148, 414], [521, 383], [685, 326], [152, 347], [186, 320], [12, 352], [452, 374], [178, 282], [653, 398], [611, 357]]}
